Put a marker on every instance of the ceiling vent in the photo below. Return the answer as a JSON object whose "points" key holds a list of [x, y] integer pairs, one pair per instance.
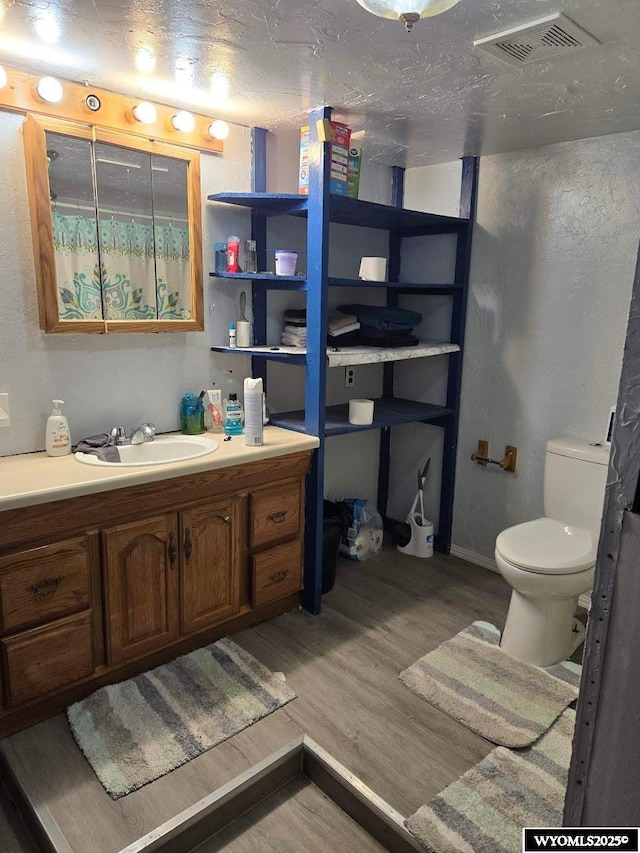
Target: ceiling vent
{"points": [[540, 40]]}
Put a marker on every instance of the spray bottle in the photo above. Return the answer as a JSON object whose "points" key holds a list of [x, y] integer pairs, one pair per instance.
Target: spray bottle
{"points": [[253, 414]]}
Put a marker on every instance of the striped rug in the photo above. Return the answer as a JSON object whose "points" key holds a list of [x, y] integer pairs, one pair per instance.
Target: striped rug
{"points": [[506, 701], [486, 809], [136, 731]]}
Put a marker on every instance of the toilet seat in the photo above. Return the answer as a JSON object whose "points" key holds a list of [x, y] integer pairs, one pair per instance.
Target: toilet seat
{"points": [[549, 547]]}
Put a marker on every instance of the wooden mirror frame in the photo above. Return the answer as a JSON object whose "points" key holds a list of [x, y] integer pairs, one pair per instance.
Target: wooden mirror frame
{"points": [[35, 147]]}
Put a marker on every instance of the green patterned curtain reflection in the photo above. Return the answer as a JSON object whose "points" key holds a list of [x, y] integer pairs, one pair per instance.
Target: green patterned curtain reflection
{"points": [[127, 252]]}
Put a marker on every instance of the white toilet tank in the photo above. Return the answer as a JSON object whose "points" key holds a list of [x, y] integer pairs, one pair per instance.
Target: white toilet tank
{"points": [[575, 476]]}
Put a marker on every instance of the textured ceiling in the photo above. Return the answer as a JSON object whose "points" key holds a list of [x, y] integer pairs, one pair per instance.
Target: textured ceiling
{"points": [[422, 97]]}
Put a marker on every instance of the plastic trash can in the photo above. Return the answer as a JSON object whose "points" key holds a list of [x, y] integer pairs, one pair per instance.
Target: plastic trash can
{"points": [[333, 528]]}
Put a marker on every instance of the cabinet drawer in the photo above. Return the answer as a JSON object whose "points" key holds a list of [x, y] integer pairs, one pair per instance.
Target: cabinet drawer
{"points": [[275, 513], [43, 660], [277, 572], [42, 584]]}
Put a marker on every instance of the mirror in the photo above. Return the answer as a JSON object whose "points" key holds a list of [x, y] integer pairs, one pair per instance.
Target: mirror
{"points": [[75, 235], [118, 244]]}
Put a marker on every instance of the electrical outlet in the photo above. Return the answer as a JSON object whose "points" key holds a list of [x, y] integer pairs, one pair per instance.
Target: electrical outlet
{"points": [[349, 377], [5, 420]]}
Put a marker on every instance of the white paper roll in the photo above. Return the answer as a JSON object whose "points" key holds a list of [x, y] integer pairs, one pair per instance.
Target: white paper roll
{"points": [[243, 334], [373, 269], [361, 412]]}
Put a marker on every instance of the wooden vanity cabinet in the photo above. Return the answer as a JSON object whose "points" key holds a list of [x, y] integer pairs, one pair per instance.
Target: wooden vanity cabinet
{"points": [[96, 589], [141, 581], [210, 592]]}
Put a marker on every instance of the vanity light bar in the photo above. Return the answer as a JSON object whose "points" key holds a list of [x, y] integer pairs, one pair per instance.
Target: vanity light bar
{"points": [[145, 112], [49, 90], [61, 99]]}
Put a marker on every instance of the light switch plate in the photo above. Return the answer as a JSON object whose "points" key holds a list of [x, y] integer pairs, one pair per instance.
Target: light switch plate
{"points": [[5, 420]]}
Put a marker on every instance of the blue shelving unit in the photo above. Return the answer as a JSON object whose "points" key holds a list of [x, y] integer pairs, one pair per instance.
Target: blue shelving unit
{"points": [[320, 208]]}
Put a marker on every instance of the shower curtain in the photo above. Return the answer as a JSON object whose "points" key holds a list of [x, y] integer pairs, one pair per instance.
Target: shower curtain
{"points": [[138, 272]]}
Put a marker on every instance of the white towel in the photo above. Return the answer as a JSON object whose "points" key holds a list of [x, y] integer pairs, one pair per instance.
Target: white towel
{"points": [[352, 327]]}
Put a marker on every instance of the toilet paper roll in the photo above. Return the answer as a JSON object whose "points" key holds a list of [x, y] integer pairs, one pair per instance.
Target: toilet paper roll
{"points": [[243, 333], [361, 412], [373, 269]]}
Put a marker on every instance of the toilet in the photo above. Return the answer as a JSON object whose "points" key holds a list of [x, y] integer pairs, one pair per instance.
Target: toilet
{"points": [[550, 561]]}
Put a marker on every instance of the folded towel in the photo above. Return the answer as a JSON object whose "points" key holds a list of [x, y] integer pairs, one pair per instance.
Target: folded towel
{"points": [[293, 340], [295, 330], [299, 324], [98, 445], [386, 319], [338, 320], [344, 330]]}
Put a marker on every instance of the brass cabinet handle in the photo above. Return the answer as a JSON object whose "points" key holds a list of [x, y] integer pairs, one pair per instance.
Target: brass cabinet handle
{"points": [[278, 577], [278, 517], [47, 586], [188, 544], [173, 551]]}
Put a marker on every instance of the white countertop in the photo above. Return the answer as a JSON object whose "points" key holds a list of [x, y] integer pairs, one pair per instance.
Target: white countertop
{"points": [[35, 478]]}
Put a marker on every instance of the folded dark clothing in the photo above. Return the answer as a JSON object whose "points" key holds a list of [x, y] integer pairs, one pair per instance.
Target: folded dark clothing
{"points": [[292, 321], [380, 317], [404, 339], [98, 445], [386, 338], [296, 313], [350, 339]]}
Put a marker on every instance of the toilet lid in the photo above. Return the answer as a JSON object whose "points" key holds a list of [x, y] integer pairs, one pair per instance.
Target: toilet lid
{"points": [[548, 547]]}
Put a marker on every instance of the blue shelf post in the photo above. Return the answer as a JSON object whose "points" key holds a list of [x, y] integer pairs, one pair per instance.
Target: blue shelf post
{"points": [[316, 384], [468, 203], [259, 234], [395, 247]]}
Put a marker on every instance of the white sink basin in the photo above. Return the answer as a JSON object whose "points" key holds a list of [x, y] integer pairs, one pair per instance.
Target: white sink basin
{"points": [[161, 451]]}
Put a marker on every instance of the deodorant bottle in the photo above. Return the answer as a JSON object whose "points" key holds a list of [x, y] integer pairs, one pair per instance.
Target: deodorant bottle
{"points": [[253, 418]]}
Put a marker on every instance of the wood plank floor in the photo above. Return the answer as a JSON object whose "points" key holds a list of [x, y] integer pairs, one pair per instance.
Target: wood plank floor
{"points": [[297, 817], [344, 665]]}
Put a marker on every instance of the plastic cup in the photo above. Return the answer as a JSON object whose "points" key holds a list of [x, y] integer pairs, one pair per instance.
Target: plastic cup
{"points": [[286, 262]]}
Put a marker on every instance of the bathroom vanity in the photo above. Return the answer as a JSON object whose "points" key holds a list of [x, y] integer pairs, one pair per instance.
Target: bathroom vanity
{"points": [[108, 573]]}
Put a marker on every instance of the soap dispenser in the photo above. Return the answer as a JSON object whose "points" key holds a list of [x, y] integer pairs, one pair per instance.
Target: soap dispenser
{"points": [[58, 438]]}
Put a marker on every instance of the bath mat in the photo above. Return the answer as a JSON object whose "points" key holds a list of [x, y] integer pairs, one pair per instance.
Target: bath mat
{"points": [[486, 809], [506, 701], [136, 731]]}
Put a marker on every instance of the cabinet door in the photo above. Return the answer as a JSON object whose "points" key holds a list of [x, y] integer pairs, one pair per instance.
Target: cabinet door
{"points": [[210, 554], [142, 586]]}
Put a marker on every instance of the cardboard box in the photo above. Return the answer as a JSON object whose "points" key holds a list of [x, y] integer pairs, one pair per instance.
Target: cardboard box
{"points": [[338, 156], [303, 176], [355, 164]]}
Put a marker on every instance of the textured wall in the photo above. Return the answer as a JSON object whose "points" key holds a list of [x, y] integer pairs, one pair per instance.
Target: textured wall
{"points": [[552, 270], [104, 380]]}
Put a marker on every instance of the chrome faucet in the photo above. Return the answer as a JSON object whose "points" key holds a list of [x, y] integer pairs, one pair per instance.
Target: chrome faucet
{"points": [[119, 437], [145, 432]]}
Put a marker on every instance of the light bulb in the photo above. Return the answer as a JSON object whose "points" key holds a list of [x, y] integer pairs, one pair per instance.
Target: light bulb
{"points": [[183, 121], [46, 26], [218, 129], [407, 11], [3, 78], [145, 112], [50, 90], [145, 60]]}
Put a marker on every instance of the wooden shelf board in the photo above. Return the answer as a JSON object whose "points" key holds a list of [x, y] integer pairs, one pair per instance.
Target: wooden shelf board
{"points": [[349, 211], [389, 411], [348, 355]]}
